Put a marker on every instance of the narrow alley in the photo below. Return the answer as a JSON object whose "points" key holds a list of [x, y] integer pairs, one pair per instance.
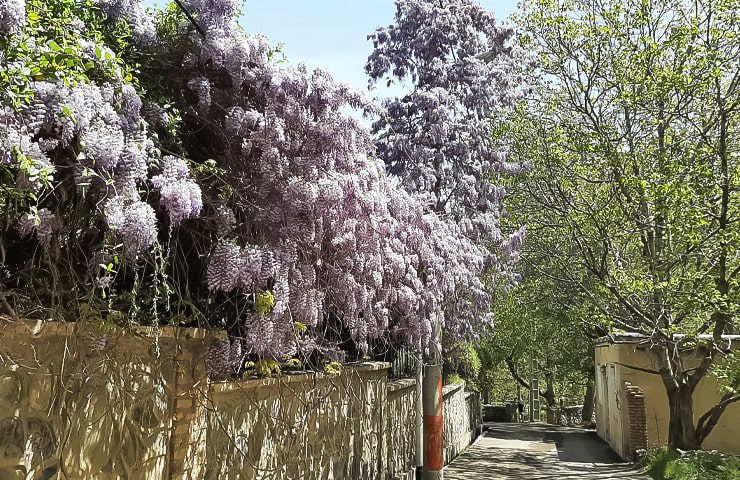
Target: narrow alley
{"points": [[526, 451]]}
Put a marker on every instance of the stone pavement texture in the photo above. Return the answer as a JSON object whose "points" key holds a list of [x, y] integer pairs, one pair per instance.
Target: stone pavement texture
{"points": [[536, 451]]}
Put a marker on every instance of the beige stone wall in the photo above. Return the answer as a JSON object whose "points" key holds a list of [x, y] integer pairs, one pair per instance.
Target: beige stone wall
{"points": [[79, 403], [401, 428], [462, 419], [613, 364], [310, 426]]}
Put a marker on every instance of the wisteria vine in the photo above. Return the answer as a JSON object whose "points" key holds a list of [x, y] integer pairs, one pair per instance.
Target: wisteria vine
{"points": [[463, 72], [233, 184]]}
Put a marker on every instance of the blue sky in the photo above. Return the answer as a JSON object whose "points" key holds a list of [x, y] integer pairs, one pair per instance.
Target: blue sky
{"points": [[330, 33]]}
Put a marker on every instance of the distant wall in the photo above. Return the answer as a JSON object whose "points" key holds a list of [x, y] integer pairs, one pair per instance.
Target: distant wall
{"points": [[627, 398], [78, 402]]}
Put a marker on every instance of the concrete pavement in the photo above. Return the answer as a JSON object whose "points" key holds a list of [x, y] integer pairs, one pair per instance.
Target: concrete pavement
{"points": [[536, 451]]}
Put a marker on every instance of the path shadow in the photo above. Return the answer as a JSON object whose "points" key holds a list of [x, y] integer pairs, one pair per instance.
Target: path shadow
{"points": [[582, 447], [572, 444], [513, 464], [533, 432]]}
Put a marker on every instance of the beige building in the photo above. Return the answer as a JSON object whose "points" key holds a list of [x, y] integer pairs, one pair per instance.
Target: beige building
{"points": [[632, 404]]}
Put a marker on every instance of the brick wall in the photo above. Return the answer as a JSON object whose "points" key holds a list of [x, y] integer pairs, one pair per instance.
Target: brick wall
{"points": [[636, 424]]}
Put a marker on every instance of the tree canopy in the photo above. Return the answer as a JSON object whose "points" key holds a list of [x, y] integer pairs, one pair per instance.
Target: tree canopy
{"points": [[633, 131]]}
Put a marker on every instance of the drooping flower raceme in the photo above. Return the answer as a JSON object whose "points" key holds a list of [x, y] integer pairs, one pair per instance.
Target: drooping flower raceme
{"points": [[43, 223], [112, 161], [319, 224], [289, 231], [142, 23], [461, 68], [90, 138], [12, 16], [134, 222], [180, 195]]}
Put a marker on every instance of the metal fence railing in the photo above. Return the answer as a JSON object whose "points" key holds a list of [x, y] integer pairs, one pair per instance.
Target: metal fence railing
{"points": [[403, 364]]}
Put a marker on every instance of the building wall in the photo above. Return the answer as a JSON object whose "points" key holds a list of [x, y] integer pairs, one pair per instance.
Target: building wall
{"points": [[98, 404], [613, 378]]}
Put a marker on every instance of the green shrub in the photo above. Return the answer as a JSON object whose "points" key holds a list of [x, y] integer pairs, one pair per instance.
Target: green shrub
{"points": [[462, 359], [669, 464]]}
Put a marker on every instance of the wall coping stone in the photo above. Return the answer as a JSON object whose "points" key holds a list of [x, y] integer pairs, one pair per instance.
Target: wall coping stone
{"points": [[451, 388], [401, 384], [294, 377], [365, 366], [38, 328]]}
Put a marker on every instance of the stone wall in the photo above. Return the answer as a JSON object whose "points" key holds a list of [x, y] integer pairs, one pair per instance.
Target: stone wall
{"points": [[309, 426], [462, 419], [570, 415], [499, 413], [80, 402], [401, 428], [88, 403]]}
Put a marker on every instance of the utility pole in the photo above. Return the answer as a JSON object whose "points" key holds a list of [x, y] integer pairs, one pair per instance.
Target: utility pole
{"points": [[432, 406], [534, 382], [534, 392], [419, 416]]}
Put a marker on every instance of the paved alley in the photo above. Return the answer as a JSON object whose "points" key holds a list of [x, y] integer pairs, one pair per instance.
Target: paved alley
{"points": [[525, 451]]}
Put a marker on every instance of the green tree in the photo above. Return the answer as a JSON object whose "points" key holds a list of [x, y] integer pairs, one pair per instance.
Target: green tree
{"points": [[542, 319], [632, 131]]}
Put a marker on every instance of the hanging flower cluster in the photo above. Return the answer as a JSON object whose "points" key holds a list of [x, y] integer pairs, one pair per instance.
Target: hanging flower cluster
{"points": [[180, 195], [281, 210], [321, 224], [462, 71], [43, 223], [12, 15]]}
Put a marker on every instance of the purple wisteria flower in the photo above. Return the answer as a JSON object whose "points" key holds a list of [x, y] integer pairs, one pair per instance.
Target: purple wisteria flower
{"points": [[133, 221], [43, 223], [304, 227], [12, 16], [179, 194]]}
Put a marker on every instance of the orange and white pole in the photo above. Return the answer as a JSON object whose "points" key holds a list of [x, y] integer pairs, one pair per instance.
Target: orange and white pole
{"points": [[433, 434], [419, 405]]}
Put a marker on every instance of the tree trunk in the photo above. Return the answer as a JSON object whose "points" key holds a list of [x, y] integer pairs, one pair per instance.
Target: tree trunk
{"points": [[681, 430], [519, 379], [587, 414], [709, 420], [552, 418]]}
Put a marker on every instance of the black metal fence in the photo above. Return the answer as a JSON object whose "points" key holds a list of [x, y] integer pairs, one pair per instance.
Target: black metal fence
{"points": [[403, 364]]}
